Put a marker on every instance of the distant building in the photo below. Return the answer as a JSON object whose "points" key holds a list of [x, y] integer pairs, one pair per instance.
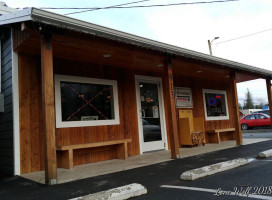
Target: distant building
{"points": [[249, 111]]}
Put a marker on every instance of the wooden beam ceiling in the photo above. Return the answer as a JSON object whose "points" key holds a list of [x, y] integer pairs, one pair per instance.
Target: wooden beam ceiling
{"points": [[92, 49]]}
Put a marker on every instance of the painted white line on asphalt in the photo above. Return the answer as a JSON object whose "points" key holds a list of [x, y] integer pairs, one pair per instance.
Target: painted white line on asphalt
{"points": [[217, 192], [120, 193], [251, 159]]}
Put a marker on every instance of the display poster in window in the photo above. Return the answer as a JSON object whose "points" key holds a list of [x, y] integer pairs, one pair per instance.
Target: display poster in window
{"points": [[183, 97], [86, 101], [215, 104], [155, 111]]}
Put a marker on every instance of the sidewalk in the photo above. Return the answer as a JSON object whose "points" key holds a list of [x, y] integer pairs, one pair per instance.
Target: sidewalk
{"points": [[111, 166], [150, 176]]}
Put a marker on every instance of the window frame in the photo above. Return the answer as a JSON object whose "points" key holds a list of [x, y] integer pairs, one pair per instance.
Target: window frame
{"points": [[77, 79], [250, 116], [207, 118]]}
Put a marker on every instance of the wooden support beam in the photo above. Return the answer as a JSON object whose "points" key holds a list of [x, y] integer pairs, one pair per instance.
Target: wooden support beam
{"points": [[269, 96], [236, 111], [48, 103], [172, 117]]}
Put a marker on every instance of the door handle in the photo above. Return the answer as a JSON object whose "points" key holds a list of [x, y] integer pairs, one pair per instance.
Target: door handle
{"points": [[142, 113]]}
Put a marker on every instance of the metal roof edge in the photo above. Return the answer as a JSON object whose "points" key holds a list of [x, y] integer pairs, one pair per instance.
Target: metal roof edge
{"points": [[62, 21], [83, 26]]}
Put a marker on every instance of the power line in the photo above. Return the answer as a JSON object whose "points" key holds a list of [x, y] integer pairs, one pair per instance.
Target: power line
{"points": [[243, 36], [147, 6], [93, 9], [83, 8]]}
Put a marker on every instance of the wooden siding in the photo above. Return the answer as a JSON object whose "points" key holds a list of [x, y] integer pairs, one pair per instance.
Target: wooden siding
{"points": [[6, 118], [197, 84], [19, 37], [32, 149]]}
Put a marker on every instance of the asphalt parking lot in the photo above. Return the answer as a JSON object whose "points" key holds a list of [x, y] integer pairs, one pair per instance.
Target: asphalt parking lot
{"points": [[154, 176], [252, 181]]}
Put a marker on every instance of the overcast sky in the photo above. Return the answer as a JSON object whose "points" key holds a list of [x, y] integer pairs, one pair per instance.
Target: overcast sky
{"points": [[189, 26]]}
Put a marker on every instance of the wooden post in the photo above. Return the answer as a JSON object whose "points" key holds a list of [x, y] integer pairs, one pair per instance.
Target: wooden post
{"points": [[172, 118], [48, 103], [234, 96], [269, 96]]}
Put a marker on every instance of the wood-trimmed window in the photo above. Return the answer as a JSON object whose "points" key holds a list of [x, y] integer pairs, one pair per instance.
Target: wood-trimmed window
{"points": [[85, 101], [215, 104]]}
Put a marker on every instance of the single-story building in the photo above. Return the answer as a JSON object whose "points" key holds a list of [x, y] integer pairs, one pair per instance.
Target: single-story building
{"points": [[75, 93], [249, 111]]}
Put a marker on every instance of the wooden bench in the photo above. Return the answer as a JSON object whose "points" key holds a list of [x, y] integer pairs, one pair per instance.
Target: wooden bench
{"points": [[214, 135], [66, 160]]}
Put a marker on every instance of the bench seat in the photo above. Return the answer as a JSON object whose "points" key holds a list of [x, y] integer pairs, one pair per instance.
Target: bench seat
{"points": [[214, 135], [67, 157]]}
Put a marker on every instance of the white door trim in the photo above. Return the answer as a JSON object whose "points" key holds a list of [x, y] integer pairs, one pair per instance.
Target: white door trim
{"points": [[150, 79], [16, 117]]}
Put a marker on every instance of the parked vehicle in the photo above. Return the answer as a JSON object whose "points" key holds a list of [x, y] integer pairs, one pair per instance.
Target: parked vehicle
{"points": [[267, 112], [255, 120]]}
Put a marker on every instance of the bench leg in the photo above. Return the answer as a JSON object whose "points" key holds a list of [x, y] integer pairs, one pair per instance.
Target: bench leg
{"points": [[122, 151], [67, 159], [218, 138]]}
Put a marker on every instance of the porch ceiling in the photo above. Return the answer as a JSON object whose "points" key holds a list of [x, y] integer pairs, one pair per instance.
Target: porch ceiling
{"points": [[195, 69], [96, 50], [242, 77]]}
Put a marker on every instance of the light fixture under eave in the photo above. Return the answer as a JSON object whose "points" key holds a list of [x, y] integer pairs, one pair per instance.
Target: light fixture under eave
{"points": [[199, 71], [106, 55], [160, 65]]}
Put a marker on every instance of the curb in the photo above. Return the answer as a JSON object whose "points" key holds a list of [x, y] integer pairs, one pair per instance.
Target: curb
{"points": [[257, 131], [265, 154], [212, 169], [120, 193]]}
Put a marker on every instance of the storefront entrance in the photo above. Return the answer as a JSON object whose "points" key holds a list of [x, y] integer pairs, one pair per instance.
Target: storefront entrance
{"points": [[151, 121]]}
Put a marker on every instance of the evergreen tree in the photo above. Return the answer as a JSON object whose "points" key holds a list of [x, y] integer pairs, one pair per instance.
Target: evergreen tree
{"points": [[248, 101]]}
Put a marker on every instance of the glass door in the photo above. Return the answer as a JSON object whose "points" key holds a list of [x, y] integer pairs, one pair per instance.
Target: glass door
{"points": [[149, 106]]}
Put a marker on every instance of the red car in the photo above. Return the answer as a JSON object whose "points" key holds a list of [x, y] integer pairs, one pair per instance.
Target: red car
{"points": [[254, 120]]}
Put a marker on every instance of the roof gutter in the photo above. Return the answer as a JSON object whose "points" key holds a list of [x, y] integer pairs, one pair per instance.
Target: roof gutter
{"points": [[66, 22]]}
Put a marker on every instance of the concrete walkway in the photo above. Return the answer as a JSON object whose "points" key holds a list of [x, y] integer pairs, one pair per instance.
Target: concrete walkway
{"points": [[111, 166]]}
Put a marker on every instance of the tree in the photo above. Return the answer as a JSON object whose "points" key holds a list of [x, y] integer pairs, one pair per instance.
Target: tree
{"points": [[249, 100], [260, 106]]}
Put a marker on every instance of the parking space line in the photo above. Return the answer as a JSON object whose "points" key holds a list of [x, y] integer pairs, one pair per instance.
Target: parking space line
{"points": [[251, 160], [217, 192]]}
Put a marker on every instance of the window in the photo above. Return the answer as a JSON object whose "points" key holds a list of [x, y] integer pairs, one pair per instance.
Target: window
{"points": [[260, 117], [85, 101], [215, 104], [249, 117]]}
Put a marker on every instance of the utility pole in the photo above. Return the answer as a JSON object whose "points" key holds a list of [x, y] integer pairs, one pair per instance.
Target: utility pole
{"points": [[210, 44], [210, 47]]}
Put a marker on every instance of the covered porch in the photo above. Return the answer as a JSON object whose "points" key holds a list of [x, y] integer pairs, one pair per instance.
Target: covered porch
{"points": [[53, 61]]}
